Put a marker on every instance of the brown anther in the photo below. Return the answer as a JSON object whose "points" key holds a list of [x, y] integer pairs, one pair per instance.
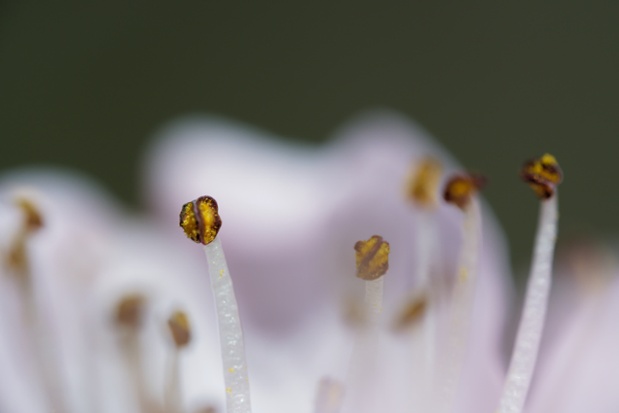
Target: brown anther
{"points": [[411, 313], [460, 189], [543, 174], [178, 323], [200, 220], [372, 258], [129, 311], [32, 217], [423, 183]]}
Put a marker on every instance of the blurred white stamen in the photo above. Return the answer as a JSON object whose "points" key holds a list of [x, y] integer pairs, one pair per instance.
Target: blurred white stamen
{"points": [[450, 365], [534, 311]]}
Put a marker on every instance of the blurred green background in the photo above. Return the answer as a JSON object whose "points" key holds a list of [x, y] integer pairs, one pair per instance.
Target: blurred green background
{"points": [[85, 84]]}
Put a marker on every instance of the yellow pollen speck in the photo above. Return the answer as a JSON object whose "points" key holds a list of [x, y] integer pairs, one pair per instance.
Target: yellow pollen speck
{"points": [[372, 258], [221, 272], [423, 183], [229, 390], [200, 220], [231, 370], [460, 188], [178, 323], [543, 175]]}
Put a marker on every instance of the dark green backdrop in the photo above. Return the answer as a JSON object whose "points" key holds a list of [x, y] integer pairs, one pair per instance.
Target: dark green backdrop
{"points": [[85, 84]]}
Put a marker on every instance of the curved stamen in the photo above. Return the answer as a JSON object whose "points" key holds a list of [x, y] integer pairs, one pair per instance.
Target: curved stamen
{"points": [[543, 175]]}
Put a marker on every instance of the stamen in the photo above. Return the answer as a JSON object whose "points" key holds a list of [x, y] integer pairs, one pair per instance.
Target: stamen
{"points": [[543, 175], [18, 261], [201, 223], [460, 191], [329, 396], [178, 323], [129, 317], [372, 257], [424, 192]]}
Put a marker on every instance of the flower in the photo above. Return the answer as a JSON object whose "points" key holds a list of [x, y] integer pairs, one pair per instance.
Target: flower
{"points": [[108, 311]]}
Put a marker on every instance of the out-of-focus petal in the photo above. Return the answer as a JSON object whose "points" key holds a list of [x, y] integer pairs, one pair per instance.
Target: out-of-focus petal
{"points": [[578, 355]]}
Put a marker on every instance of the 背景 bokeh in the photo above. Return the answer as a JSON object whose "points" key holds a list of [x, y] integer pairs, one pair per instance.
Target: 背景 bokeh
{"points": [[86, 84]]}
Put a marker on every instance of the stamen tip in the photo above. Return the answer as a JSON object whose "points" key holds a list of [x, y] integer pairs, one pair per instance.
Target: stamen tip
{"points": [[200, 219], [424, 181], [33, 219], [461, 188], [543, 174], [372, 258], [178, 323], [129, 311]]}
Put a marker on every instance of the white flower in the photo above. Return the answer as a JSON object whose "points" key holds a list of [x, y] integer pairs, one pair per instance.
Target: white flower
{"points": [[291, 216]]}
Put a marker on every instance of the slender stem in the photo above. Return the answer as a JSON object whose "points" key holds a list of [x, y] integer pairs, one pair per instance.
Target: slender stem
{"points": [[425, 242], [230, 332], [132, 353], [534, 312], [462, 305]]}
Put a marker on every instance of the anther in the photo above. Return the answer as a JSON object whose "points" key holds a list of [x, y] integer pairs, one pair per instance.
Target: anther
{"points": [[372, 257], [32, 217], [423, 183], [200, 220], [460, 188], [129, 311], [412, 312], [178, 323], [543, 174]]}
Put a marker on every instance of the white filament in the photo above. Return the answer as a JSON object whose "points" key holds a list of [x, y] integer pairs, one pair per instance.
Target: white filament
{"points": [[425, 242], [172, 395], [450, 365], [533, 313], [374, 296], [230, 332]]}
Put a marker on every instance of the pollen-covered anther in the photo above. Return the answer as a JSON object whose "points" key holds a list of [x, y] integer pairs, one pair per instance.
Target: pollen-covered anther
{"points": [[461, 188], [129, 311], [412, 312], [543, 174], [200, 220], [424, 181], [372, 257], [178, 323]]}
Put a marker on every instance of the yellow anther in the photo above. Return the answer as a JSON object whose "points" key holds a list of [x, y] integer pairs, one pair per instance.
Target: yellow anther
{"points": [[372, 258], [424, 181], [200, 220], [460, 188], [543, 175], [411, 313], [32, 217], [129, 311], [178, 323]]}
